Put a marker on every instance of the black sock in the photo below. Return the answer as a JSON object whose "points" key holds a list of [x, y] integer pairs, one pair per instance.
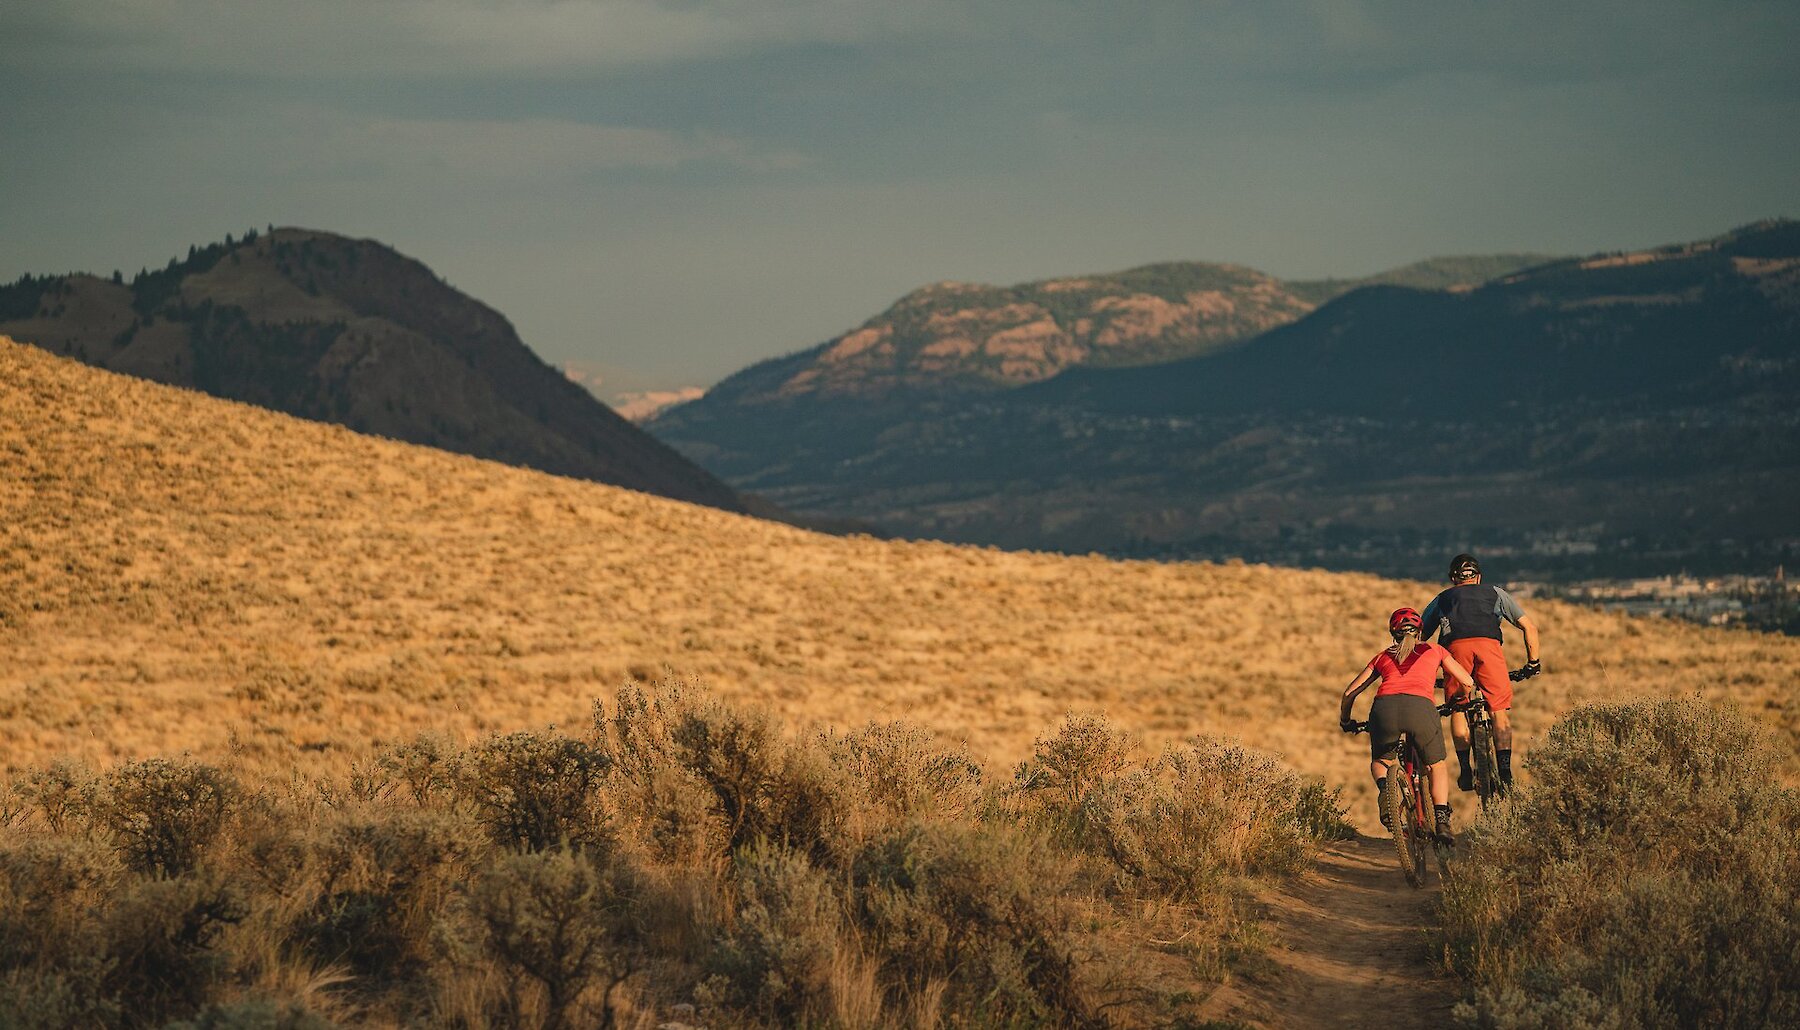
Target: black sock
{"points": [[1380, 784], [1462, 758], [1505, 756], [1442, 811]]}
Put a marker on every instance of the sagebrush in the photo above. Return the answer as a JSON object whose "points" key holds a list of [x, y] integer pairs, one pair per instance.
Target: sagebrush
{"points": [[681, 854], [1649, 877]]}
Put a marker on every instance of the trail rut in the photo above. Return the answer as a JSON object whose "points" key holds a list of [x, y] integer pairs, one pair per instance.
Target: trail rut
{"points": [[1350, 950]]}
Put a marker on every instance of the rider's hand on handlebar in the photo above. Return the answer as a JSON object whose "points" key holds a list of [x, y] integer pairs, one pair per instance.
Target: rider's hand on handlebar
{"points": [[1347, 724], [1531, 668]]}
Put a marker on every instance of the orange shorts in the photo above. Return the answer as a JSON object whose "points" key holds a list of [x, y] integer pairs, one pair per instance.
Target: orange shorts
{"points": [[1482, 657]]}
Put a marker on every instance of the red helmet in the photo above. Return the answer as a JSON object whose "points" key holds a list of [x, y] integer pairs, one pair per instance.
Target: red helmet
{"points": [[1404, 618]]}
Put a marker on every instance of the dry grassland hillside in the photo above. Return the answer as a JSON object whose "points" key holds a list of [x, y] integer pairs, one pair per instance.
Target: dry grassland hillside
{"points": [[183, 573]]}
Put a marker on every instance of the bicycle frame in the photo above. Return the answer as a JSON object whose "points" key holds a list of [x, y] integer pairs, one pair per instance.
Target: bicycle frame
{"points": [[1408, 775], [1482, 740], [1415, 786]]}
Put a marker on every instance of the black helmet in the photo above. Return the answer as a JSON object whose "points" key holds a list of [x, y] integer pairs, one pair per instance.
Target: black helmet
{"points": [[1464, 564]]}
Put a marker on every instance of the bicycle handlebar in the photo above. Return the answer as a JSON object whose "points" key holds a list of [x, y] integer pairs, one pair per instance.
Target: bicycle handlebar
{"points": [[1518, 675]]}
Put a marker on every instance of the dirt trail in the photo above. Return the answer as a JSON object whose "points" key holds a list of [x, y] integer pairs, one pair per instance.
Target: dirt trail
{"points": [[1350, 938]]}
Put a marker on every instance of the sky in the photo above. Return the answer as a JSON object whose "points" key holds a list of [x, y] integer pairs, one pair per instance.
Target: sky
{"points": [[660, 192]]}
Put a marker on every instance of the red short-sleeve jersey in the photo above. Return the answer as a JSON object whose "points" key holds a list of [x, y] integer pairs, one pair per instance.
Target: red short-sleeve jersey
{"points": [[1416, 675]]}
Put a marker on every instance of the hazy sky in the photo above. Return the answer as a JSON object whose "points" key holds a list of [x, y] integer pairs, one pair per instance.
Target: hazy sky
{"points": [[667, 191]]}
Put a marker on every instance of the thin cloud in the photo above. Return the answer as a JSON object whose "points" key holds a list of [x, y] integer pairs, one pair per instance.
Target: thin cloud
{"points": [[379, 38], [1333, 42]]}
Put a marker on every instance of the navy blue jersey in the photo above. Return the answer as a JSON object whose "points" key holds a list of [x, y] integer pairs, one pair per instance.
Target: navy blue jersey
{"points": [[1470, 610]]}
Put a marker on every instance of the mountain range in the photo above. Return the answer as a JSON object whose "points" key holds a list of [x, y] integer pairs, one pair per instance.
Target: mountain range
{"points": [[1616, 413], [970, 338], [349, 331]]}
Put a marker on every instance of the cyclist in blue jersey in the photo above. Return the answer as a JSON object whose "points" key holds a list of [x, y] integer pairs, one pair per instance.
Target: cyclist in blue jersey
{"points": [[1466, 617]]}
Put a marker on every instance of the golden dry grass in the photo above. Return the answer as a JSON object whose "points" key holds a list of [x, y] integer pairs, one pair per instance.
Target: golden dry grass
{"points": [[180, 573]]}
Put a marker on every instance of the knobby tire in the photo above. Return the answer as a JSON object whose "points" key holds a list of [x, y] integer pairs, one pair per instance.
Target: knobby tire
{"points": [[1393, 802], [1487, 764]]}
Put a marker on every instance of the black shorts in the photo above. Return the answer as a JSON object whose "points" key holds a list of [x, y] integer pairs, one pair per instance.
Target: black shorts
{"points": [[1410, 713]]}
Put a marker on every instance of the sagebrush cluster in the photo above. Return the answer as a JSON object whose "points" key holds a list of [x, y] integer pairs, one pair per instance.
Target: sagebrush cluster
{"points": [[679, 855]]}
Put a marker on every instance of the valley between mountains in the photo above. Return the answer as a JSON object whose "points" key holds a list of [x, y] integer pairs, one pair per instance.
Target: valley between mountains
{"points": [[1623, 414]]}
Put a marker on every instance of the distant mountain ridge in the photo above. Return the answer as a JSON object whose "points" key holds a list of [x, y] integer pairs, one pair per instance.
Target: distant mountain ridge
{"points": [[1620, 411], [952, 337], [349, 331], [1641, 327]]}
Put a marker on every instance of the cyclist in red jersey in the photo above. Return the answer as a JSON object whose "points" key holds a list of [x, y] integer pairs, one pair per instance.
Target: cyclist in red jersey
{"points": [[1406, 701]]}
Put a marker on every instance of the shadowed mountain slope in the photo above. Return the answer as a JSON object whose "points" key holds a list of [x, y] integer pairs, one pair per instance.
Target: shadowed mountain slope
{"points": [[349, 331], [1698, 323], [179, 572]]}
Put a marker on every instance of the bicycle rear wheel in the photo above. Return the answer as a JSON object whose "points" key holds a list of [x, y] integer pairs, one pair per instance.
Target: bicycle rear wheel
{"points": [[1487, 763], [1395, 803]]}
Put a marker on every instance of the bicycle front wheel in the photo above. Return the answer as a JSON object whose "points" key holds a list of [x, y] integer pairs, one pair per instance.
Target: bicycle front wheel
{"points": [[1487, 763], [1398, 809]]}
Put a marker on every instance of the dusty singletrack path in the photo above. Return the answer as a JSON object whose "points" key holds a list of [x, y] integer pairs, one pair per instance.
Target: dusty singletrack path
{"points": [[1350, 950]]}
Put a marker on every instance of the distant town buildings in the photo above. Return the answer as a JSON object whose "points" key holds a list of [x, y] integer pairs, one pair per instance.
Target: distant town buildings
{"points": [[1760, 602]]}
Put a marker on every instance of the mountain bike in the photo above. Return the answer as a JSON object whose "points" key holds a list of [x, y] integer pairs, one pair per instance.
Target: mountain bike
{"points": [[1482, 740], [1406, 803], [1482, 745]]}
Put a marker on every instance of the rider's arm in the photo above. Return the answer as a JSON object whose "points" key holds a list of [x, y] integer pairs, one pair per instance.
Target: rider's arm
{"points": [[1458, 673], [1428, 622], [1510, 611], [1357, 686], [1529, 628]]}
